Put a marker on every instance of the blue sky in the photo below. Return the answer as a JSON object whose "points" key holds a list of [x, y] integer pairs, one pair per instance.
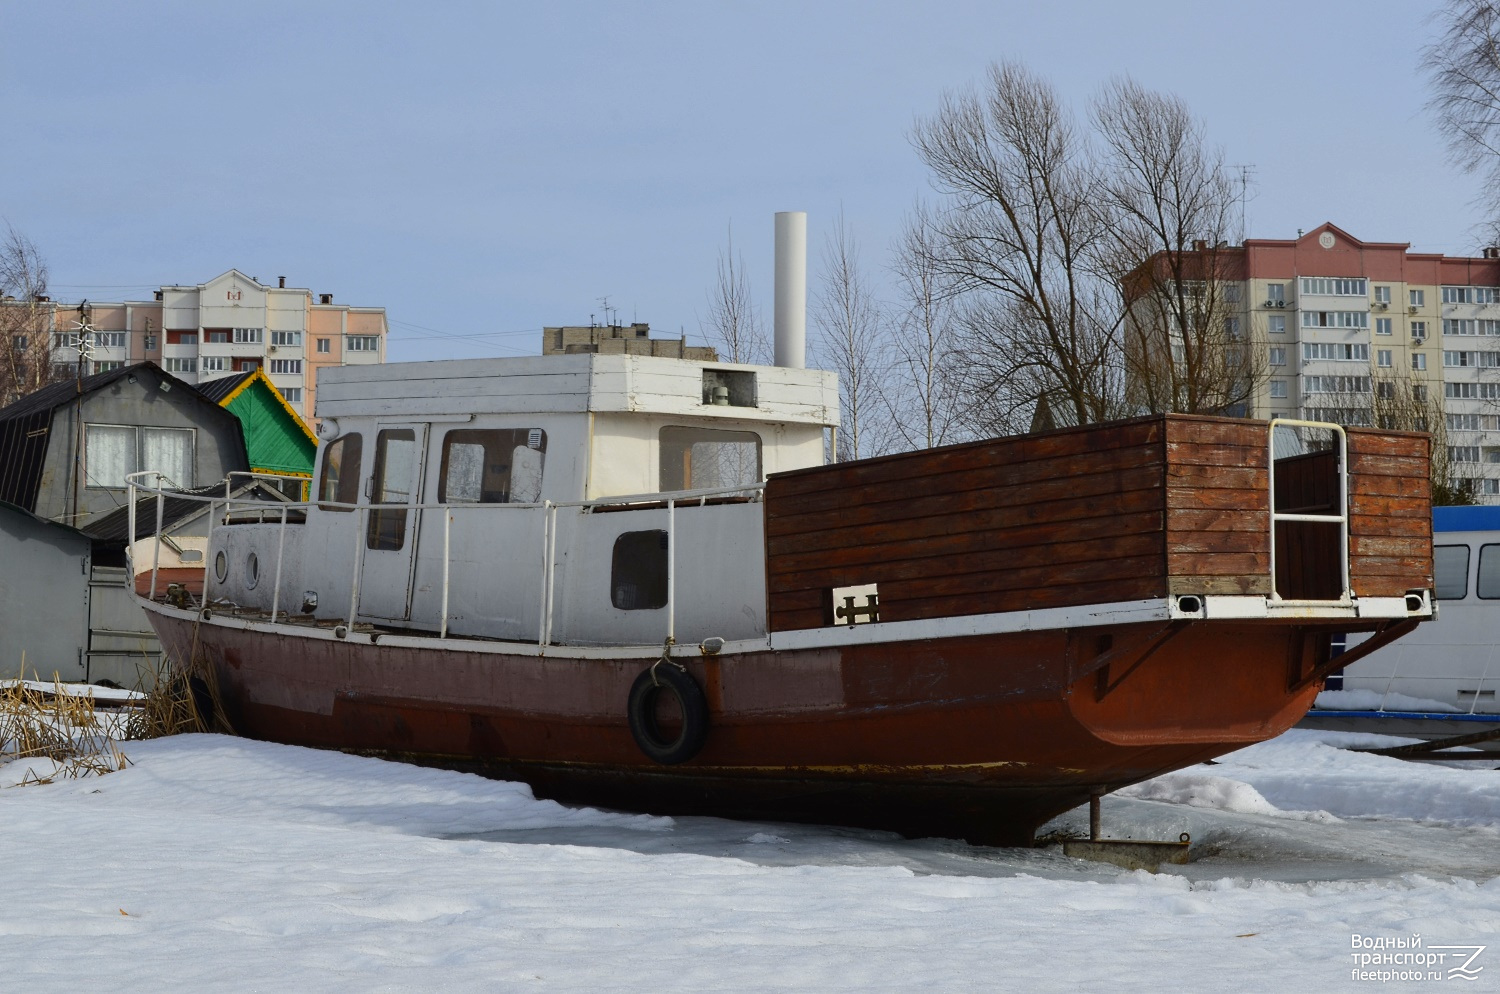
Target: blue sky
{"points": [[484, 169]]}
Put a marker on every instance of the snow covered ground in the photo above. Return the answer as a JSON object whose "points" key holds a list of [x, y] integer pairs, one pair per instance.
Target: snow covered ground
{"points": [[220, 864]]}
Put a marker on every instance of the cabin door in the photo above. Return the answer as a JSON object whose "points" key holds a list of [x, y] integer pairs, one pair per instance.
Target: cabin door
{"points": [[391, 530]]}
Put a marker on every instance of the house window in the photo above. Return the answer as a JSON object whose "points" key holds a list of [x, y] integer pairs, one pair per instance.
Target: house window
{"points": [[215, 364], [1417, 298], [248, 336], [288, 367], [1382, 295], [286, 338], [181, 365], [1278, 389], [1382, 326], [292, 395], [638, 571], [1418, 360], [1276, 324], [495, 466], [1278, 356], [362, 343], [323, 345], [1383, 358], [112, 452], [695, 458], [339, 481]]}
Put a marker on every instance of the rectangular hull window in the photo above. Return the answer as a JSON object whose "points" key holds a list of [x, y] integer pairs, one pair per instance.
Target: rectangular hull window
{"points": [[638, 571]]}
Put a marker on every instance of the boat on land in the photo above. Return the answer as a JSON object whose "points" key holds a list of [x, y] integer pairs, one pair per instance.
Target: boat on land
{"points": [[631, 581], [1438, 684]]}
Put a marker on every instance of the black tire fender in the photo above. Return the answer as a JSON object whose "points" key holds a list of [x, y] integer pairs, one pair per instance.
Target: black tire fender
{"points": [[667, 677]]}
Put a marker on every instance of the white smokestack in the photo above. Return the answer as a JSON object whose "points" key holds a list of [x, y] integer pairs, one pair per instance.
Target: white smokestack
{"points": [[791, 289]]}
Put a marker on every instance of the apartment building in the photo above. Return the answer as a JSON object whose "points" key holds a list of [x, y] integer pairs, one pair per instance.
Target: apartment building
{"points": [[1366, 332], [229, 325]]}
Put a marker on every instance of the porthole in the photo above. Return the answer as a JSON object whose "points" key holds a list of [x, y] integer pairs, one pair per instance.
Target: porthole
{"points": [[221, 566], [252, 572]]}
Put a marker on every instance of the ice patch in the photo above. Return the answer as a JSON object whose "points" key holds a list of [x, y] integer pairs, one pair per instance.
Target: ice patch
{"points": [[1369, 700], [1219, 793]]}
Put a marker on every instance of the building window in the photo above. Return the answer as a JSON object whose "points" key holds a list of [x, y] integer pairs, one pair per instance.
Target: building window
{"points": [[109, 339], [292, 395], [1461, 391], [287, 367], [112, 452], [150, 343], [1385, 390], [1278, 356], [1276, 324], [1419, 331], [323, 345], [216, 336], [1278, 389], [362, 343], [105, 366], [1383, 358], [1382, 295], [1336, 351], [1333, 287], [493, 466], [1471, 294], [1419, 393], [339, 479], [1276, 294], [638, 571], [286, 338], [1418, 360], [695, 458], [1417, 298], [63, 340], [215, 364], [1463, 453], [248, 336], [182, 338], [181, 365], [1232, 329], [1232, 293], [1462, 422], [1335, 384], [1382, 326], [19, 342], [1335, 319]]}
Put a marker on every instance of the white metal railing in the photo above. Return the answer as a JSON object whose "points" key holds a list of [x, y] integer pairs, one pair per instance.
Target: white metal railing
{"points": [[230, 505], [1341, 518]]}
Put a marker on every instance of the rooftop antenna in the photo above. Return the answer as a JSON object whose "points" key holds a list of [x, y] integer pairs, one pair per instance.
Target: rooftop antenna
{"points": [[610, 313], [1247, 176]]}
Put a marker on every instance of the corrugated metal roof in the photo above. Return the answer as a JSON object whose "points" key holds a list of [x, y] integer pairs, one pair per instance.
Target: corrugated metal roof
{"points": [[217, 389], [114, 526]]}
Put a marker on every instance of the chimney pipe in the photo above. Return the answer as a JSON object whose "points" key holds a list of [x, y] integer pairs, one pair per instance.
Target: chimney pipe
{"points": [[281, 282], [791, 289]]}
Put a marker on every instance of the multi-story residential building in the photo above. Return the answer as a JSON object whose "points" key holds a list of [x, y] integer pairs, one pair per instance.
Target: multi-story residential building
{"points": [[615, 339], [228, 325], [1372, 333]]}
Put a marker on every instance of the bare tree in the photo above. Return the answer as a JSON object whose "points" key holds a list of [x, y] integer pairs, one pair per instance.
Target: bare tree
{"points": [[1169, 208], [850, 329], [25, 318], [733, 325], [923, 392], [1021, 238], [1464, 70]]}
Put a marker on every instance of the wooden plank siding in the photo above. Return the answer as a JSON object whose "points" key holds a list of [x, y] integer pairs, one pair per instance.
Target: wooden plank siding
{"points": [[1123, 511], [1390, 512]]}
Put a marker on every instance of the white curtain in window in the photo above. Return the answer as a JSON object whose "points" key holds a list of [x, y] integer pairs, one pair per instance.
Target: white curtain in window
{"points": [[109, 454], [169, 451]]}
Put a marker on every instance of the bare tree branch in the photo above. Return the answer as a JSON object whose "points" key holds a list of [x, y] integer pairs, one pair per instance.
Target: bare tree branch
{"points": [[733, 325]]}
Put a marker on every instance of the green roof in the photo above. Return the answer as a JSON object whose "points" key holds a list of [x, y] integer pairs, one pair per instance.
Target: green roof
{"points": [[276, 438]]}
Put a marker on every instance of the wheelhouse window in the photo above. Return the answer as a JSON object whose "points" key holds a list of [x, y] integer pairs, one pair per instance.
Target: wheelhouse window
{"points": [[112, 452], [492, 466], [638, 571], [1488, 584], [1450, 568], [339, 482], [395, 476], [698, 458]]}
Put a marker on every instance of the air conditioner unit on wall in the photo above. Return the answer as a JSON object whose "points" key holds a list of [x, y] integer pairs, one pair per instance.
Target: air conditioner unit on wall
{"points": [[1413, 309]]}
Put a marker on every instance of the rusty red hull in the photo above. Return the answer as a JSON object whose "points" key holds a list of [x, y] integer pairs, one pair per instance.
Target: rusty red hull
{"points": [[981, 737]]}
